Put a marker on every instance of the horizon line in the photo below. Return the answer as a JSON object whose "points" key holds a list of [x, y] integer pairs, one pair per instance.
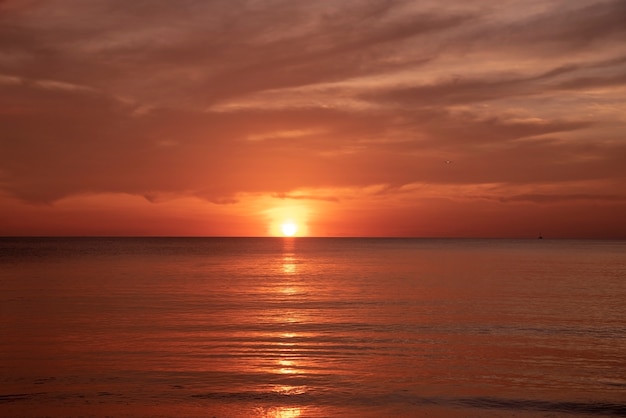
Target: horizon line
{"points": [[539, 237]]}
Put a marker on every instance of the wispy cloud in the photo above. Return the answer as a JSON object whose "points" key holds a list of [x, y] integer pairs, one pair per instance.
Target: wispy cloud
{"points": [[299, 100]]}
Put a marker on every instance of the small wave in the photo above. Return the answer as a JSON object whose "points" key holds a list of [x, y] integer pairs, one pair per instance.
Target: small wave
{"points": [[613, 382], [583, 408], [255, 396], [13, 397], [527, 405]]}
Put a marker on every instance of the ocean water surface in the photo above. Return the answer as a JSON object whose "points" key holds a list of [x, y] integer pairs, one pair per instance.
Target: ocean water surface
{"points": [[311, 327]]}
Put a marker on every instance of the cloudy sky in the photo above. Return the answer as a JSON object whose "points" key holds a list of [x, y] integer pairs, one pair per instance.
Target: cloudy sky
{"points": [[351, 117]]}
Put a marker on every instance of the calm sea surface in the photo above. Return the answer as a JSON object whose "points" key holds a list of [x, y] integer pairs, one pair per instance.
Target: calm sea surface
{"points": [[311, 327]]}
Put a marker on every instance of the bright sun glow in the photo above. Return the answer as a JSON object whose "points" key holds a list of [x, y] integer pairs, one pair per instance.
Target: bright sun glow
{"points": [[288, 220], [289, 229]]}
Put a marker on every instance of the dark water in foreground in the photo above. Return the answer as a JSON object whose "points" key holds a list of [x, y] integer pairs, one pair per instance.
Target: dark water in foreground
{"points": [[312, 327]]}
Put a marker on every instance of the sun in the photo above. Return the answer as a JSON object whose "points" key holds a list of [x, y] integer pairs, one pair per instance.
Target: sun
{"points": [[289, 228], [288, 220]]}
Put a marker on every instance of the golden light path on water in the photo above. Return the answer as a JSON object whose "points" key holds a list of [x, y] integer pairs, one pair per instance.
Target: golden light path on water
{"points": [[288, 361]]}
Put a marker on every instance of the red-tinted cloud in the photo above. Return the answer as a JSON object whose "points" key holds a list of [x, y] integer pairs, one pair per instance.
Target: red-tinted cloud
{"points": [[232, 101]]}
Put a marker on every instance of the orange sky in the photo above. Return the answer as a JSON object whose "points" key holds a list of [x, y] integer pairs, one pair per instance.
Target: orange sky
{"points": [[350, 118]]}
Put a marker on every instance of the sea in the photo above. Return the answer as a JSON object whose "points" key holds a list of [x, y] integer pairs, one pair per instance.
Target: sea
{"points": [[312, 327]]}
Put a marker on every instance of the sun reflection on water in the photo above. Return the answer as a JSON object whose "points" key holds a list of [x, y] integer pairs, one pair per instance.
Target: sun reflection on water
{"points": [[288, 412], [287, 367], [289, 259], [287, 363], [280, 412], [289, 264]]}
